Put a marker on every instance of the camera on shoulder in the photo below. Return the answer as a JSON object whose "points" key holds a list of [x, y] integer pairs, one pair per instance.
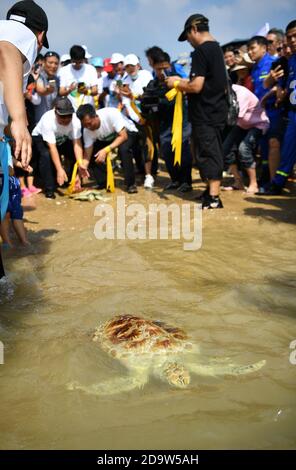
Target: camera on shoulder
{"points": [[151, 97]]}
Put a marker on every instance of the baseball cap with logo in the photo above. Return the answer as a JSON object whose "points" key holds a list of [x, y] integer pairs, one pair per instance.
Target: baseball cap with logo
{"points": [[31, 15], [116, 58], [63, 106], [131, 59], [193, 20], [97, 62]]}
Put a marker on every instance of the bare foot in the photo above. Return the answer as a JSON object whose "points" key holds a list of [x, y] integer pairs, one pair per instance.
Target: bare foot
{"points": [[252, 189], [25, 243], [236, 186]]}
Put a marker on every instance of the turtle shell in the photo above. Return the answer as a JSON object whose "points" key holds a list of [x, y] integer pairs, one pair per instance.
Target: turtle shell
{"points": [[130, 334]]}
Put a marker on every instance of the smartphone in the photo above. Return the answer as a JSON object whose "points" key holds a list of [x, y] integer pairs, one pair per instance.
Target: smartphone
{"points": [[164, 75], [52, 83]]}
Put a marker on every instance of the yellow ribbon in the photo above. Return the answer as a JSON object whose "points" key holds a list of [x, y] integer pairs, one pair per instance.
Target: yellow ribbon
{"points": [[73, 179], [150, 142], [137, 111], [148, 130], [96, 102], [110, 176], [79, 99], [177, 122]]}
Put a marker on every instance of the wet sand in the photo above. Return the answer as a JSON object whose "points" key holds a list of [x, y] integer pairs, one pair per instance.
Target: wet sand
{"points": [[235, 297]]}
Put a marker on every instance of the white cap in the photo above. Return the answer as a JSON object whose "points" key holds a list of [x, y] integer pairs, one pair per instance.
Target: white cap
{"points": [[65, 57], [116, 58], [87, 54], [131, 59]]}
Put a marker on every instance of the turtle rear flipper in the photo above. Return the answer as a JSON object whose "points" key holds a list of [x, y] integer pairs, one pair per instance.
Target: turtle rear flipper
{"points": [[227, 369], [112, 387]]}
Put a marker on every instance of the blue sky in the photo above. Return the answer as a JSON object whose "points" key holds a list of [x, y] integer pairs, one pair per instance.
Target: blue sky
{"points": [[126, 26]]}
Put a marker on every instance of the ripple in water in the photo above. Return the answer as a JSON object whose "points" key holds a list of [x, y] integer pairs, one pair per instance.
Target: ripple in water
{"points": [[6, 290]]}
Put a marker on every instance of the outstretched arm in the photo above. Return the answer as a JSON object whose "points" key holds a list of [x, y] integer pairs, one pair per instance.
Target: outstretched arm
{"points": [[11, 77]]}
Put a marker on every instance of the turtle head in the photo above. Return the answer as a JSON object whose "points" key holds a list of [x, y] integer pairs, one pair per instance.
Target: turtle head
{"points": [[177, 375]]}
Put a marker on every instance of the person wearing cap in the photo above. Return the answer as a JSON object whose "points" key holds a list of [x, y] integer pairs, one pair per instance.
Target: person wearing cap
{"points": [[22, 36], [47, 85], [207, 100], [108, 79], [243, 76], [78, 80], [57, 133], [117, 61], [106, 130], [134, 82], [181, 178], [65, 60], [98, 64], [113, 80]]}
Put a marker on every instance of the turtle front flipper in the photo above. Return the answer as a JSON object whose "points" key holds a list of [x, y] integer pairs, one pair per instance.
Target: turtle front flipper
{"points": [[111, 387], [225, 369]]}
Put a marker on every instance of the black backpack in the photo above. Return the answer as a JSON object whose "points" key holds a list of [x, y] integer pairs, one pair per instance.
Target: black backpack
{"points": [[233, 104]]}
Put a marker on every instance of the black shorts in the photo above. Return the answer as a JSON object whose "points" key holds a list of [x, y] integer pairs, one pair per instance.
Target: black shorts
{"points": [[209, 151]]}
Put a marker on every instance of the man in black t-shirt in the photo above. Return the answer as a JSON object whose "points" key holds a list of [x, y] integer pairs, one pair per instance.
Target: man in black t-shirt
{"points": [[207, 100]]}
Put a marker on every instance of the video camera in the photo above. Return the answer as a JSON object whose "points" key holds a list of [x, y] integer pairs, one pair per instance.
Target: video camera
{"points": [[150, 100]]}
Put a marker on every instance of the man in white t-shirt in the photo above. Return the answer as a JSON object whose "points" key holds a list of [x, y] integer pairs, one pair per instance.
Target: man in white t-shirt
{"points": [[78, 80], [134, 83], [58, 133], [108, 128], [115, 69], [22, 35]]}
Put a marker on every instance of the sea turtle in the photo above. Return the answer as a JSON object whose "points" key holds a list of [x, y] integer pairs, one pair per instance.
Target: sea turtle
{"points": [[88, 195], [147, 347]]}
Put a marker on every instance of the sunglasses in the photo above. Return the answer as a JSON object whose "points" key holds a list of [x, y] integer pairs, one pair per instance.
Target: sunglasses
{"points": [[52, 54]]}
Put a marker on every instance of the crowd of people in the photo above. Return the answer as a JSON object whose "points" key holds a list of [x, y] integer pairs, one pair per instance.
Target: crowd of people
{"points": [[81, 109]]}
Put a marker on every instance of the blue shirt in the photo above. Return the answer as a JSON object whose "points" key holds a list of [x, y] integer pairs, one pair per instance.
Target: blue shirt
{"points": [[259, 73], [291, 82]]}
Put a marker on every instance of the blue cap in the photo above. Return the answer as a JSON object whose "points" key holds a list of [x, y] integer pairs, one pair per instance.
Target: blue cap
{"points": [[97, 62]]}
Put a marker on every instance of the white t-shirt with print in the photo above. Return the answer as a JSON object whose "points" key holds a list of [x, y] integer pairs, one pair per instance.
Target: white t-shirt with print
{"points": [[87, 74], [53, 132], [111, 100], [100, 81], [137, 88], [112, 122], [25, 41]]}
